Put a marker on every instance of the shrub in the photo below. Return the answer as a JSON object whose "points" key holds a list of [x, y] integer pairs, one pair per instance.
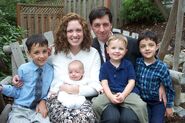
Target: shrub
{"points": [[140, 11], [9, 33]]}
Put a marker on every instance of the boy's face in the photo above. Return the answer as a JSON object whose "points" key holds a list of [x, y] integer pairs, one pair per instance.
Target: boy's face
{"points": [[39, 54], [102, 28], [75, 72], [148, 49], [116, 50]]}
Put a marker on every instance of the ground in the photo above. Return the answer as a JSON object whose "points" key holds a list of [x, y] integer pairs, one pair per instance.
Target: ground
{"points": [[159, 29]]}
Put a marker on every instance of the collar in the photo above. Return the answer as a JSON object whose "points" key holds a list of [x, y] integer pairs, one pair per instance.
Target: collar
{"points": [[123, 64], [35, 67]]}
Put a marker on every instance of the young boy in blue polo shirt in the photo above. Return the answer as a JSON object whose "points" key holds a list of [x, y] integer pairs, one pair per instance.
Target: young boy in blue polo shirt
{"points": [[37, 76], [117, 77], [150, 73]]}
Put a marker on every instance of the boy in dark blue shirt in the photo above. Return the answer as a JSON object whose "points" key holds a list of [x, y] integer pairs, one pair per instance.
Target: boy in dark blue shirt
{"points": [[36, 76], [117, 77]]}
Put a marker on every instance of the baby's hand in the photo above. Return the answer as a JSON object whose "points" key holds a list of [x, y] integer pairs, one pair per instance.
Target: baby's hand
{"points": [[52, 94], [101, 91]]}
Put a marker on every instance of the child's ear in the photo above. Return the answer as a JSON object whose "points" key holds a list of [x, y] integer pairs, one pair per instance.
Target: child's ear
{"points": [[28, 54], [158, 46], [126, 50]]}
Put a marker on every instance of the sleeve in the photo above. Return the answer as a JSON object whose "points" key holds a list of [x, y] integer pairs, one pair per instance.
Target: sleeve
{"points": [[131, 71], [10, 91], [167, 81], [103, 74], [88, 90]]}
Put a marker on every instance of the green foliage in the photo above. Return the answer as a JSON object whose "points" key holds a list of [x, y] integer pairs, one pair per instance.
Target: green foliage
{"points": [[9, 33], [140, 11]]}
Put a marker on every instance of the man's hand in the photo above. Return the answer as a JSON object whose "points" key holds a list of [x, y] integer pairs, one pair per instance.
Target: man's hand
{"points": [[41, 108], [17, 82], [169, 112], [162, 95]]}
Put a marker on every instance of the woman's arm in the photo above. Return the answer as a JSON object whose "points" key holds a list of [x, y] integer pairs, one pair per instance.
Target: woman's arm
{"points": [[71, 89], [92, 74]]}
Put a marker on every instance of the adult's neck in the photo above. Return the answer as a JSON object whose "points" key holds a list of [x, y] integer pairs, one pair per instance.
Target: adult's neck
{"points": [[75, 50], [102, 41]]}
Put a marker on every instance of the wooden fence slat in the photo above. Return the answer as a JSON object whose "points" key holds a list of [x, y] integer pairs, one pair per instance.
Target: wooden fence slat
{"points": [[83, 8], [36, 22], [42, 22]]}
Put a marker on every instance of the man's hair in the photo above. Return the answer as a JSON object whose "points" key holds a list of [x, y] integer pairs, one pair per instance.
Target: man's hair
{"points": [[99, 13], [36, 39], [147, 34]]}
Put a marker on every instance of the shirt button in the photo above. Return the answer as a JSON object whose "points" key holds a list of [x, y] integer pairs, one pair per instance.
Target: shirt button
{"points": [[114, 75]]}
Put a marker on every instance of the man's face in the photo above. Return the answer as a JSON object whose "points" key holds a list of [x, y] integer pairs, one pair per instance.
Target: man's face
{"points": [[102, 28]]}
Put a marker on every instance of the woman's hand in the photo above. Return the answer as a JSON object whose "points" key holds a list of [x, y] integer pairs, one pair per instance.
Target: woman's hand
{"points": [[71, 89], [16, 81]]}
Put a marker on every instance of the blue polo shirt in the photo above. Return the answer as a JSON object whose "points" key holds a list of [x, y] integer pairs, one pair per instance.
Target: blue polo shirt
{"points": [[118, 77]]}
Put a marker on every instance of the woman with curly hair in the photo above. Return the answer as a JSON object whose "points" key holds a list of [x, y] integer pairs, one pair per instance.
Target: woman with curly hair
{"points": [[73, 42]]}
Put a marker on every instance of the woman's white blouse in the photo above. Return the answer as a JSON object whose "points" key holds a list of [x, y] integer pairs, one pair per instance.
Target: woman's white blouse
{"points": [[91, 61]]}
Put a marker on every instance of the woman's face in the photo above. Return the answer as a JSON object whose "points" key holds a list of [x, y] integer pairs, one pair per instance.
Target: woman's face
{"points": [[74, 33]]}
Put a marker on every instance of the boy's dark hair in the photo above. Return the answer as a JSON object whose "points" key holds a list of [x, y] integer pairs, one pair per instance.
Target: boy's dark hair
{"points": [[98, 13], [36, 39], [147, 34]]}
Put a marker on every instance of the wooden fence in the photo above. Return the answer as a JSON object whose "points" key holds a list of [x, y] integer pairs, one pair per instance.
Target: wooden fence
{"points": [[43, 17], [83, 8], [38, 18]]}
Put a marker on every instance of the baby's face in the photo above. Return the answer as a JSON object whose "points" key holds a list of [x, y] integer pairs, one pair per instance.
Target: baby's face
{"points": [[75, 72]]}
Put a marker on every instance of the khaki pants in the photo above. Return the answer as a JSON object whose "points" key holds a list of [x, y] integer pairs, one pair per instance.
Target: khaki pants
{"points": [[132, 101], [20, 114]]}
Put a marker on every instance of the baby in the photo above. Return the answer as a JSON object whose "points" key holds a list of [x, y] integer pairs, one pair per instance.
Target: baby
{"points": [[76, 77]]}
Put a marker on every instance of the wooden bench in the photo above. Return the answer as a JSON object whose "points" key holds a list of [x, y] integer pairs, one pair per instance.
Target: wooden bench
{"points": [[126, 33], [17, 58]]}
